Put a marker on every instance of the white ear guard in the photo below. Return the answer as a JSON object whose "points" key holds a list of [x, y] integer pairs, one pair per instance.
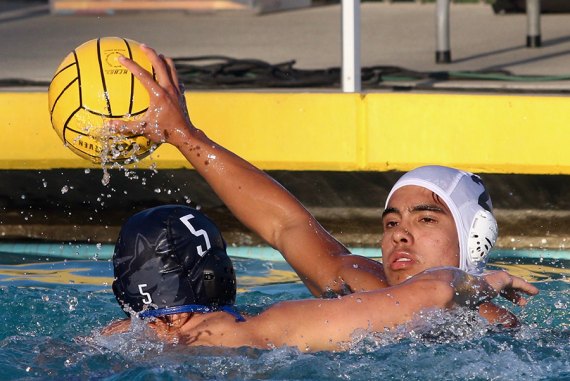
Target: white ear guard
{"points": [[482, 237]]}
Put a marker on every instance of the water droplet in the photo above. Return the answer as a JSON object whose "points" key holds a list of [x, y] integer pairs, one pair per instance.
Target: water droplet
{"points": [[72, 303], [65, 189]]}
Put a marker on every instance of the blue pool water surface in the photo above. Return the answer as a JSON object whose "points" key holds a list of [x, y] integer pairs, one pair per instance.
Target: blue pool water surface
{"points": [[53, 309]]}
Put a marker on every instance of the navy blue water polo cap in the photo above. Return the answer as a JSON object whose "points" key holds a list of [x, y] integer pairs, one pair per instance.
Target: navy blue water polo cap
{"points": [[172, 259]]}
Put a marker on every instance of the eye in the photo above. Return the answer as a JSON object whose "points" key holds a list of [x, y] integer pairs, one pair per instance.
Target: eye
{"points": [[428, 220], [390, 224]]}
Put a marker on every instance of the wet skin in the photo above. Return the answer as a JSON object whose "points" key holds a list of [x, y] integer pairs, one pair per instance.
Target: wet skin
{"points": [[419, 233]]}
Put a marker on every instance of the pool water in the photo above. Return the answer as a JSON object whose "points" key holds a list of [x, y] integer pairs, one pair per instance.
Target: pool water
{"points": [[52, 311]]}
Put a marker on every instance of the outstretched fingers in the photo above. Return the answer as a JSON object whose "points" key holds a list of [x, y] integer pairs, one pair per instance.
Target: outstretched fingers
{"points": [[141, 74], [166, 119], [173, 85], [162, 69], [511, 287], [173, 73], [518, 287]]}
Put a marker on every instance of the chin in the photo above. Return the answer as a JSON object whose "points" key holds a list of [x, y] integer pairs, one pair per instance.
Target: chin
{"points": [[400, 277], [397, 279]]}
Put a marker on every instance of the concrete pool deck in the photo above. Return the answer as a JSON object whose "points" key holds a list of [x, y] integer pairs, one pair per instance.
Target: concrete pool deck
{"points": [[531, 206], [33, 41]]}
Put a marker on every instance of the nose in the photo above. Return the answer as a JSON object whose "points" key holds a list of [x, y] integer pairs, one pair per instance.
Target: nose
{"points": [[401, 235]]}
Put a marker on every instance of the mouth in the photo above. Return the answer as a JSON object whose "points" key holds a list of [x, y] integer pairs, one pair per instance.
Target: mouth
{"points": [[401, 261]]}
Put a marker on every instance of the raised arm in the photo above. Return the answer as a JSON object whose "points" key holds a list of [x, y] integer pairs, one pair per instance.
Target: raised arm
{"points": [[257, 200]]}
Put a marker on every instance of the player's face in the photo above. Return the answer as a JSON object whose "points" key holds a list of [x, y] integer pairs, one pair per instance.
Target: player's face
{"points": [[419, 233]]}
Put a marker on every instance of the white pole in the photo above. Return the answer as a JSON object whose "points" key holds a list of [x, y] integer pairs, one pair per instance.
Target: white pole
{"points": [[351, 46], [533, 39], [443, 48]]}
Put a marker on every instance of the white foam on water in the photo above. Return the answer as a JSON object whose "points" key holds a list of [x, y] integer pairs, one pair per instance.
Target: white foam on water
{"points": [[138, 343]]}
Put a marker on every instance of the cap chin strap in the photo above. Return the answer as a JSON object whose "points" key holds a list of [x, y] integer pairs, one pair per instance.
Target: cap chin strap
{"points": [[191, 308], [482, 237]]}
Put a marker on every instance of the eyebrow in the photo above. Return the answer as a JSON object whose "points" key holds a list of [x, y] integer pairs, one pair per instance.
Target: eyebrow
{"points": [[417, 208], [390, 210], [428, 207]]}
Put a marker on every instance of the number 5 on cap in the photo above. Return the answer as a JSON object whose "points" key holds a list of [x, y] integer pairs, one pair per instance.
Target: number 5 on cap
{"points": [[186, 221], [148, 298]]}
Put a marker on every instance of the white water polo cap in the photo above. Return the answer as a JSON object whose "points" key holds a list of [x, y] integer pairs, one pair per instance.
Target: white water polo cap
{"points": [[465, 195]]}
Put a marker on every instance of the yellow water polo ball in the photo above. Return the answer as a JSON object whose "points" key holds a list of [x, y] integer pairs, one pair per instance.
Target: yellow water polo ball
{"points": [[91, 86]]}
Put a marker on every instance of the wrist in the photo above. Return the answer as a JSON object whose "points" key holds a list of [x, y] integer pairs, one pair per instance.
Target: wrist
{"points": [[182, 137], [470, 291]]}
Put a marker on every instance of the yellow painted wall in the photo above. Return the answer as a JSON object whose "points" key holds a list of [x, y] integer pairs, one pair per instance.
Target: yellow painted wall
{"points": [[481, 133], [333, 131]]}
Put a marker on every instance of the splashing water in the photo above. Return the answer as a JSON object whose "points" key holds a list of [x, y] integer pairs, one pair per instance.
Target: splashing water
{"points": [[54, 311]]}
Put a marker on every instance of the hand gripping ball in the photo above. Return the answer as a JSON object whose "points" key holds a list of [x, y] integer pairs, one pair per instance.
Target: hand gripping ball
{"points": [[90, 86]]}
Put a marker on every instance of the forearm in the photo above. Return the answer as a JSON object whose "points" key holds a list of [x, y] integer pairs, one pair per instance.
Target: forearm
{"points": [[257, 200], [470, 290], [466, 290], [498, 315], [267, 208], [331, 324], [474, 292], [254, 198]]}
